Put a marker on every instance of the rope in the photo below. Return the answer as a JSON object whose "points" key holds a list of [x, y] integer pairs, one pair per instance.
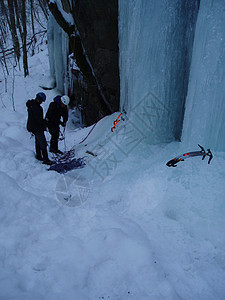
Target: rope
{"points": [[67, 166], [66, 157], [62, 137], [88, 133]]}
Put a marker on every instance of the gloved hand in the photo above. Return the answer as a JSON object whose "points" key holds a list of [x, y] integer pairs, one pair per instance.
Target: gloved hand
{"points": [[63, 124], [45, 124]]}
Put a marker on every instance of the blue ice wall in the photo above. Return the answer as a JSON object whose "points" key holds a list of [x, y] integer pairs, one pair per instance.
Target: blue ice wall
{"points": [[204, 120], [155, 40]]}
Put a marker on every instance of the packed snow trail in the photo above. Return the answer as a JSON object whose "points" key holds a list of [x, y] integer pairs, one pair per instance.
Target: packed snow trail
{"points": [[141, 231]]}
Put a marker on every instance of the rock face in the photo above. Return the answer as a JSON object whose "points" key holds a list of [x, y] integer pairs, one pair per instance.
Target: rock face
{"points": [[97, 22]]}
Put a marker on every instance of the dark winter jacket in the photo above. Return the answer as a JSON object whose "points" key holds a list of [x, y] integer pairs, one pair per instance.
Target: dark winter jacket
{"points": [[54, 114], [35, 122]]}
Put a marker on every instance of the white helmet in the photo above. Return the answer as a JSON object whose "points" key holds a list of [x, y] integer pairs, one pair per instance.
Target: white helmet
{"points": [[65, 100]]}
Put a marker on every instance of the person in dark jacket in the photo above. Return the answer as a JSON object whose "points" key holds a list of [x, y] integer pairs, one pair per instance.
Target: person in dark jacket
{"points": [[57, 110], [37, 125]]}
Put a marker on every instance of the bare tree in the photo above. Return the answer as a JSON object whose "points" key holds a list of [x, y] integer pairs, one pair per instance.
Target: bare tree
{"points": [[2, 42], [44, 6], [14, 20], [24, 37], [32, 18], [12, 25]]}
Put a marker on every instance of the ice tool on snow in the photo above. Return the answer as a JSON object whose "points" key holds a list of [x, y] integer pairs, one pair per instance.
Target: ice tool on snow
{"points": [[182, 157], [118, 119]]}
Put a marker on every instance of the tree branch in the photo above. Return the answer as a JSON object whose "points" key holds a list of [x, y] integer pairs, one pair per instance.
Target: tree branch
{"points": [[82, 60], [69, 29]]}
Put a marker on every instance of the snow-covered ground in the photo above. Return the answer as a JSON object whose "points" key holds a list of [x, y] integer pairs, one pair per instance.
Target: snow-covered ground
{"points": [[124, 227]]}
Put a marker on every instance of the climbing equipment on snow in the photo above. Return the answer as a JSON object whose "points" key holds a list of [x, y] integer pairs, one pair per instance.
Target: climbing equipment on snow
{"points": [[91, 153], [118, 119], [203, 153], [66, 162], [66, 157], [64, 167]]}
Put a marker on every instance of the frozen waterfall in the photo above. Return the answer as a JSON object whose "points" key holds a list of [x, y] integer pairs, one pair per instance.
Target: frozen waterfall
{"points": [[156, 39], [58, 48], [160, 69], [204, 120]]}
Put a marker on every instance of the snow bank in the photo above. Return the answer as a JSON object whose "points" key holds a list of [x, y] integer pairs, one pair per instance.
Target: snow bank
{"points": [[144, 231]]}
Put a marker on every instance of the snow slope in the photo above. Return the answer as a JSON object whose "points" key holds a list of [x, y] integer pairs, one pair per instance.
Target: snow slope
{"points": [[124, 227]]}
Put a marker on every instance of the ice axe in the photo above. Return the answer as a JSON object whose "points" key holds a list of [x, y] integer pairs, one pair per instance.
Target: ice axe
{"points": [[182, 157]]}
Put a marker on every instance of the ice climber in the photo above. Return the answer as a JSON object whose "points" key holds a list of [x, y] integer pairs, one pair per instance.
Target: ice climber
{"points": [[37, 125], [57, 110]]}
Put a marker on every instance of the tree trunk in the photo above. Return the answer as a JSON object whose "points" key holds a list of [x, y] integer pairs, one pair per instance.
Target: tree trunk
{"points": [[3, 54], [12, 25], [4, 11], [82, 61], [66, 6], [24, 38], [43, 5], [32, 19], [17, 15]]}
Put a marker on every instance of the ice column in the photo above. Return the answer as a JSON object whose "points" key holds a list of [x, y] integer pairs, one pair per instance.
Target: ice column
{"points": [[204, 120], [155, 40], [58, 48]]}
